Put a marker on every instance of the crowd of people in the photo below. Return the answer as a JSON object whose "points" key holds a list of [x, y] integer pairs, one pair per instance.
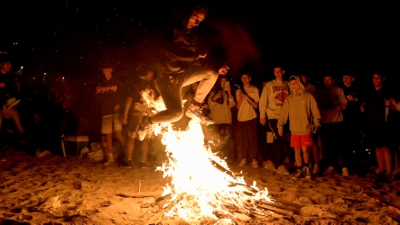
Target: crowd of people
{"points": [[307, 129], [289, 125]]}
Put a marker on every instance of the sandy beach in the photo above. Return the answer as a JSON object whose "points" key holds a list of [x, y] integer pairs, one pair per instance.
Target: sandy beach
{"points": [[75, 190]]}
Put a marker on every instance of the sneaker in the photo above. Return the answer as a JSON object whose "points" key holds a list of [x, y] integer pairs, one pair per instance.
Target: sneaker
{"points": [[307, 172], [145, 165], [345, 172], [269, 166], [110, 159], [242, 163], [282, 170], [316, 169], [194, 112], [254, 164], [127, 164], [329, 170], [298, 174]]}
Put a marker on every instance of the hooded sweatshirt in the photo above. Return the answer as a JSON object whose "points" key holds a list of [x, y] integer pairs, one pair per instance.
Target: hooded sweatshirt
{"points": [[302, 110]]}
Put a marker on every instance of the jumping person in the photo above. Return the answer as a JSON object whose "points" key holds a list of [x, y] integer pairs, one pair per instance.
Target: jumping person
{"points": [[177, 66]]}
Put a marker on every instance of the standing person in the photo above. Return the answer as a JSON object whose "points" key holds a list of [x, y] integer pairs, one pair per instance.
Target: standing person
{"points": [[108, 93], [271, 101], [11, 128], [352, 123], [304, 116], [220, 103], [54, 116], [395, 105], [8, 85], [177, 66], [331, 102], [375, 105], [316, 137], [8, 89], [247, 102], [135, 109]]}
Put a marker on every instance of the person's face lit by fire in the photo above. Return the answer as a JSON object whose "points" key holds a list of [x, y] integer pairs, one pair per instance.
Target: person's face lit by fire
{"points": [[223, 82], [348, 80], [328, 81], [107, 72], [377, 80], [279, 72], [195, 19], [304, 79], [5, 67], [245, 79], [294, 84]]}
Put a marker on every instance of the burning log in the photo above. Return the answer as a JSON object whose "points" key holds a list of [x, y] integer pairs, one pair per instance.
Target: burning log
{"points": [[231, 174], [277, 210], [135, 196]]}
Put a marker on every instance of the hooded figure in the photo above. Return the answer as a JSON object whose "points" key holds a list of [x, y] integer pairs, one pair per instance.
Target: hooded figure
{"points": [[301, 108]]}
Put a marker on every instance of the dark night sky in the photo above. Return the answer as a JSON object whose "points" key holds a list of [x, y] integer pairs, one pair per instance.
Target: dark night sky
{"points": [[71, 36]]}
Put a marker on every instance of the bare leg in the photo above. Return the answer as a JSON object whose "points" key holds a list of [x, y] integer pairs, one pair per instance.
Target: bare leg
{"points": [[305, 154], [387, 158], [315, 151], [297, 152], [320, 150], [110, 156], [379, 158], [120, 137], [145, 149], [130, 148], [109, 142]]}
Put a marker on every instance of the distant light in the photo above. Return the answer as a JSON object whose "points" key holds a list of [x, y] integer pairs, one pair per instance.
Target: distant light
{"points": [[34, 78], [22, 67], [44, 74]]}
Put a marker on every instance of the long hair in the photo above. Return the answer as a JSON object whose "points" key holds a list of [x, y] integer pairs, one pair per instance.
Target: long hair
{"points": [[217, 87]]}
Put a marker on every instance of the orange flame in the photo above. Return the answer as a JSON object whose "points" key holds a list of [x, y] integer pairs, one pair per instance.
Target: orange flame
{"points": [[199, 190]]}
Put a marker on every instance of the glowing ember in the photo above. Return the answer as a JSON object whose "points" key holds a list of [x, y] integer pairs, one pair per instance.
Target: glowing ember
{"points": [[201, 185]]}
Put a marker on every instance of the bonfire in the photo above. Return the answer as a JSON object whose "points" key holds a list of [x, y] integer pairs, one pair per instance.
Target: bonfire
{"points": [[201, 186]]}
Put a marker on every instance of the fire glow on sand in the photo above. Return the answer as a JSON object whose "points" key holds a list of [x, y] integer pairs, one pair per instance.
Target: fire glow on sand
{"points": [[201, 185]]}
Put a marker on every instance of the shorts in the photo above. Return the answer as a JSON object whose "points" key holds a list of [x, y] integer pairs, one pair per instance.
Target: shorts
{"points": [[300, 140], [133, 123], [108, 121]]}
